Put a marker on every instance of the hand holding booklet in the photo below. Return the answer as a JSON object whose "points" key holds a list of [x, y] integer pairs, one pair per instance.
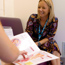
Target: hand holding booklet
{"points": [[34, 55]]}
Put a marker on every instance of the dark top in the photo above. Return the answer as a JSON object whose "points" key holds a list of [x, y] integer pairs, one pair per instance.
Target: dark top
{"points": [[49, 32]]}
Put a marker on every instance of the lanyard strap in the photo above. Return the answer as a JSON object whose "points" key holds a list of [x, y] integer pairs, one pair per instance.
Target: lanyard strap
{"points": [[39, 32]]}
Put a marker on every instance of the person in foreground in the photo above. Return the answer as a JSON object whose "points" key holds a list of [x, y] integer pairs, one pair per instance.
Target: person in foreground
{"points": [[42, 28], [8, 51]]}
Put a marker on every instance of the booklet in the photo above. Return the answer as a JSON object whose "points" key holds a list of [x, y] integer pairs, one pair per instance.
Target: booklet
{"points": [[34, 55]]}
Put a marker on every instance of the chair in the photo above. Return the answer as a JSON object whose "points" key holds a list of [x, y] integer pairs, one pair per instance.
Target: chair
{"points": [[14, 23]]}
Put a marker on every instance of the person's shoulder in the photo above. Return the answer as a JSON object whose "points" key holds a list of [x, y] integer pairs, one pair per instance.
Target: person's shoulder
{"points": [[33, 16], [55, 19]]}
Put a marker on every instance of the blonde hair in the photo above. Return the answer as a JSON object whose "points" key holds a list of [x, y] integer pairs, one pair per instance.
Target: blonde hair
{"points": [[51, 14]]}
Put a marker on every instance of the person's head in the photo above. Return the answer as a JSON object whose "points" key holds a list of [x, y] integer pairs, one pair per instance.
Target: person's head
{"points": [[46, 8]]}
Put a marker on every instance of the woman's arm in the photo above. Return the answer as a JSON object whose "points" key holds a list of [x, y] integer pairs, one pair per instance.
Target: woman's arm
{"points": [[52, 32], [42, 41], [29, 26]]}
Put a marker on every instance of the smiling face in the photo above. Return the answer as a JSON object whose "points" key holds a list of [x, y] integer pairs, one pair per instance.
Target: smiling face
{"points": [[43, 9]]}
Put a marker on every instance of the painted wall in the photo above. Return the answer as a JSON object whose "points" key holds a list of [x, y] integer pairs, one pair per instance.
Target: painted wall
{"points": [[9, 8], [1, 7], [60, 13], [24, 8]]}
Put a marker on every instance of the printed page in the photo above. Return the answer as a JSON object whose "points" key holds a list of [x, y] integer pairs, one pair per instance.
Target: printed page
{"points": [[36, 58], [24, 42], [35, 55], [40, 57], [9, 31]]}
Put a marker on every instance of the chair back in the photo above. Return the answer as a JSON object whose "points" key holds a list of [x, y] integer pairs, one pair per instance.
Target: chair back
{"points": [[14, 23]]}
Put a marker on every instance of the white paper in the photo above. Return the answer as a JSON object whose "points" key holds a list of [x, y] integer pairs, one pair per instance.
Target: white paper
{"points": [[8, 30], [34, 54]]}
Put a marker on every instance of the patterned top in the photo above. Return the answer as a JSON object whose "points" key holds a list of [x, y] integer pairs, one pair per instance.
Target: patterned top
{"points": [[49, 32], [33, 28]]}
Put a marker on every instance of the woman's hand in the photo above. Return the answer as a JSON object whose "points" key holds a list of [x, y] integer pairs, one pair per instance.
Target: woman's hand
{"points": [[23, 53], [36, 43]]}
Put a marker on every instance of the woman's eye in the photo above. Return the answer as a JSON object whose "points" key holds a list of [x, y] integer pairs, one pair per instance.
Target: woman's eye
{"points": [[44, 8], [38, 7]]}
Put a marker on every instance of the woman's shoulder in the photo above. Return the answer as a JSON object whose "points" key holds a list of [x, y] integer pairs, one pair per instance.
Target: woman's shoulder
{"points": [[32, 16], [55, 19]]}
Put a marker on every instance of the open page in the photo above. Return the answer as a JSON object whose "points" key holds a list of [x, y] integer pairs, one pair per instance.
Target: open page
{"points": [[24, 42], [35, 55], [9, 31]]}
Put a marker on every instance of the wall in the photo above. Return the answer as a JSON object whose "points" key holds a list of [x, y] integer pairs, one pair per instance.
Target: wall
{"points": [[24, 8], [7, 8], [1, 7], [60, 13]]}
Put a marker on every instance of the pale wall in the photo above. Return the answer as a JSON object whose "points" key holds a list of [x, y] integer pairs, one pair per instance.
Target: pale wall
{"points": [[24, 8], [59, 6], [1, 7], [8, 8]]}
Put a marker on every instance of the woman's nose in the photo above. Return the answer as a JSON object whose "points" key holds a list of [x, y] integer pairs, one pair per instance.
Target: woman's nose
{"points": [[40, 9]]}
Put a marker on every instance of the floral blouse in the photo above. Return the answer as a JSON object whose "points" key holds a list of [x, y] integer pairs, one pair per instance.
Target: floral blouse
{"points": [[33, 28]]}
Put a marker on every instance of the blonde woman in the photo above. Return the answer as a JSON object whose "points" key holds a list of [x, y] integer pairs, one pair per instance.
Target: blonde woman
{"points": [[42, 28]]}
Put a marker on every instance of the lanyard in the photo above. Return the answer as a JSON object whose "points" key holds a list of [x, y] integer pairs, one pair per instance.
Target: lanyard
{"points": [[39, 32]]}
